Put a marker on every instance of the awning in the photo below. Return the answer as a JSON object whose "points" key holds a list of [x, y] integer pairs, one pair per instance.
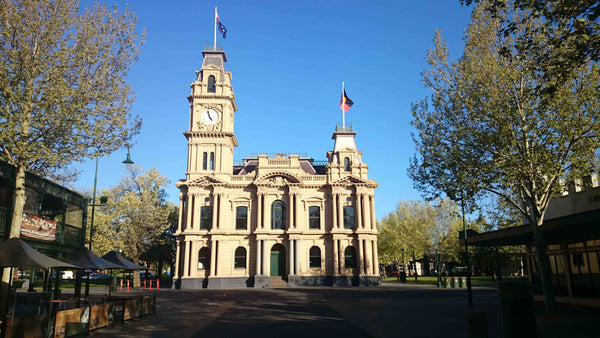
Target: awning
{"points": [[14, 252], [85, 258], [568, 229], [116, 258]]}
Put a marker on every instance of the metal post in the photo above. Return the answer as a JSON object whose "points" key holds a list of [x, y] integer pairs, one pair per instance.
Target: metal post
{"points": [[439, 277], [93, 206], [469, 291]]}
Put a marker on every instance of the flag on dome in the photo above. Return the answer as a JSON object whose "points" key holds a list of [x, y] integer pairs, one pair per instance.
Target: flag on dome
{"points": [[345, 103], [221, 27]]}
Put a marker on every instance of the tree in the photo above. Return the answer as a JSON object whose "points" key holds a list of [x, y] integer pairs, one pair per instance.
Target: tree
{"points": [[63, 95], [493, 128], [418, 228], [162, 250], [136, 215]]}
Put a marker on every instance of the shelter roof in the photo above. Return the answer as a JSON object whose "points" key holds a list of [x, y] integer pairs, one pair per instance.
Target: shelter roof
{"points": [[14, 252]]}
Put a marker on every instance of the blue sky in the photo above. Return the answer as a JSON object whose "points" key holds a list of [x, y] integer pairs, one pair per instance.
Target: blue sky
{"points": [[288, 59]]}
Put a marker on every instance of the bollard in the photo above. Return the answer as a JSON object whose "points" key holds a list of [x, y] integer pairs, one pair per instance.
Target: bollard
{"points": [[144, 284], [150, 284], [463, 282], [455, 280], [128, 285], [121, 286], [158, 284]]}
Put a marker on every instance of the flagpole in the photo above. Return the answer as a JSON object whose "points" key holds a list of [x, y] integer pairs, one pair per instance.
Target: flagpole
{"points": [[342, 107], [215, 40]]}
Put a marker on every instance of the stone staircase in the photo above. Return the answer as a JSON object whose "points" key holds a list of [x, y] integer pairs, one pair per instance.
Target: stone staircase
{"points": [[277, 282]]}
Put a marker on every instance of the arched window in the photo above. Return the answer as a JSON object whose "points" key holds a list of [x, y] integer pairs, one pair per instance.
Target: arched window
{"points": [[204, 161], [348, 217], [346, 164], [203, 259], [315, 257], [240, 258], [241, 218], [278, 215], [350, 258], [212, 161], [211, 84], [314, 217]]}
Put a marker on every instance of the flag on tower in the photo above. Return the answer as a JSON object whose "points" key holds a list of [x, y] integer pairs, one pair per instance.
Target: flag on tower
{"points": [[222, 28], [345, 103]]}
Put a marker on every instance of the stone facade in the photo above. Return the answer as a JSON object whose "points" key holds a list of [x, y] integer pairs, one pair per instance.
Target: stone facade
{"points": [[280, 220]]}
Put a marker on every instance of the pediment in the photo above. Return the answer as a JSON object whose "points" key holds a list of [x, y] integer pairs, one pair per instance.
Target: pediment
{"points": [[206, 181], [277, 179], [350, 180]]}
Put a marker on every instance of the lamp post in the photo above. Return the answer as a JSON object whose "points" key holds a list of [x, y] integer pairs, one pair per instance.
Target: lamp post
{"points": [[403, 275], [437, 263], [103, 199], [469, 291]]}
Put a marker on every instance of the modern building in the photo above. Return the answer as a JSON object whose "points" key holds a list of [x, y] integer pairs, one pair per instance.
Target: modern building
{"points": [[282, 220], [53, 217], [572, 233]]}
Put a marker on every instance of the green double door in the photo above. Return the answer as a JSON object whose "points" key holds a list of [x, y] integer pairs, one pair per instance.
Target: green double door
{"points": [[278, 260]]}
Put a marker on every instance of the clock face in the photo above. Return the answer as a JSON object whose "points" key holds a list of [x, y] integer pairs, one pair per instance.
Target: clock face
{"points": [[210, 116]]}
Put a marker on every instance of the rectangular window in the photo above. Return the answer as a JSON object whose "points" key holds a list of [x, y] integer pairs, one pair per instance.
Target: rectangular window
{"points": [[206, 218], [241, 218], [578, 259], [314, 217], [348, 217]]}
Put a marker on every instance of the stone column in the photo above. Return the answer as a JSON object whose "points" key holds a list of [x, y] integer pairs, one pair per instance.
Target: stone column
{"points": [[213, 258], [264, 209], [292, 257], [341, 256], [186, 260], [358, 207], [368, 258], [290, 214], [297, 207], [180, 226], [177, 259], [188, 219], [296, 259], [258, 257], [264, 260], [375, 259], [334, 224], [215, 208], [259, 212], [193, 258], [359, 258], [336, 257], [340, 212], [373, 222], [366, 205]]}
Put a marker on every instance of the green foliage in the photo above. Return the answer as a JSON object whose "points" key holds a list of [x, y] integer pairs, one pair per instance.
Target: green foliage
{"points": [[418, 228], [63, 95], [136, 215]]}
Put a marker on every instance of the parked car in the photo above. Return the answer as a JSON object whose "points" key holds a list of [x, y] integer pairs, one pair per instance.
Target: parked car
{"points": [[97, 275], [147, 275], [64, 274]]}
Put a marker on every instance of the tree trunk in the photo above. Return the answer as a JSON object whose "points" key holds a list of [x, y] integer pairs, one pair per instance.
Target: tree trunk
{"points": [[545, 270], [17, 212]]}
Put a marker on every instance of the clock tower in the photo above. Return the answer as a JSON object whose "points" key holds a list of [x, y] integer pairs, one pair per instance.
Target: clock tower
{"points": [[212, 108]]}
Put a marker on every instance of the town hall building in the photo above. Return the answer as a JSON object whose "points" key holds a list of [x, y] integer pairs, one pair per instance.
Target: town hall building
{"points": [[271, 221]]}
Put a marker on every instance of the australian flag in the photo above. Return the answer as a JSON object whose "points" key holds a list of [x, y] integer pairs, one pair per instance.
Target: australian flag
{"points": [[221, 28]]}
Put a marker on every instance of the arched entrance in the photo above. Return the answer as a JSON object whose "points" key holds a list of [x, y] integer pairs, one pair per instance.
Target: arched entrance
{"points": [[278, 260]]}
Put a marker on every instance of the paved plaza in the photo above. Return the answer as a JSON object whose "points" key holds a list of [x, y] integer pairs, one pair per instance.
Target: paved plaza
{"points": [[388, 311]]}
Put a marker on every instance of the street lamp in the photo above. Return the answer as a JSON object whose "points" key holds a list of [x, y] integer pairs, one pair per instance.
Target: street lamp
{"points": [[103, 199], [437, 259], [469, 291]]}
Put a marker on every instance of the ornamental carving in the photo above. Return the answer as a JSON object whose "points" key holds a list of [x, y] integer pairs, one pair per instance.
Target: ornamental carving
{"points": [[278, 181]]}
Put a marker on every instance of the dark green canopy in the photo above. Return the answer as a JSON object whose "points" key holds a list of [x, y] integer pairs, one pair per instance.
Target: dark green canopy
{"points": [[115, 257], [85, 258], [14, 252]]}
